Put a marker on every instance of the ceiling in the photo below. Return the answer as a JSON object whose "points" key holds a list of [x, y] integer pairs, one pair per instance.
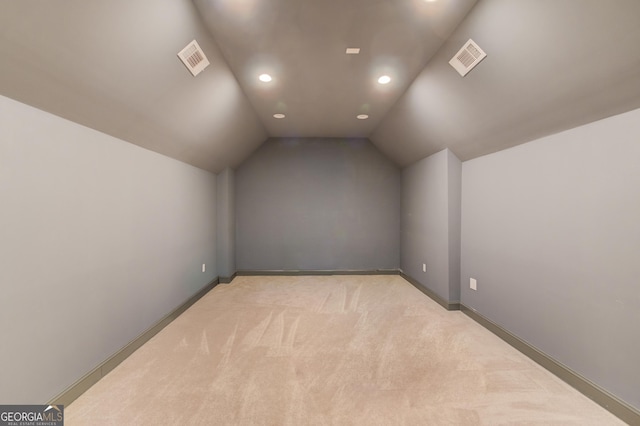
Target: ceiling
{"points": [[302, 44], [111, 65]]}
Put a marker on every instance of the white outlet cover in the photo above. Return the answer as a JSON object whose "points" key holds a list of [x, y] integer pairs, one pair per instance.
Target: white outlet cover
{"points": [[424, 267], [204, 267], [473, 284]]}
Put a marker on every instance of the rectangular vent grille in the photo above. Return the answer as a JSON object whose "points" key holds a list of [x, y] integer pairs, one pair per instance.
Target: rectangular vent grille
{"points": [[193, 58], [467, 58]]}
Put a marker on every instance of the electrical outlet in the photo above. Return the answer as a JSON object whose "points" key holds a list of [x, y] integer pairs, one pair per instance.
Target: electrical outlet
{"points": [[424, 267], [473, 284], [204, 267]]}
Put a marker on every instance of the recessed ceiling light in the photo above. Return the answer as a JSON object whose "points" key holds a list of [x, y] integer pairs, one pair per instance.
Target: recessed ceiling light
{"points": [[362, 117], [353, 50], [265, 78], [278, 115], [384, 79]]}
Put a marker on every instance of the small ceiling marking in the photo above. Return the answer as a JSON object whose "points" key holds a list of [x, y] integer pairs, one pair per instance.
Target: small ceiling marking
{"points": [[362, 117], [278, 115], [353, 50]]}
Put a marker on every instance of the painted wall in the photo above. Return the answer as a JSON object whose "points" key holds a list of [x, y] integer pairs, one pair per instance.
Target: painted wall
{"points": [[317, 204], [551, 231], [226, 223], [99, 239], [454, 215], [430, 226]]}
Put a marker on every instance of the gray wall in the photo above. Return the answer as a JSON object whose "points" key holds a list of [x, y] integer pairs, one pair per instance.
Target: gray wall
{"points": [[430, 226], [226, 223], [99, 239], [317, 204], [551, 231], [454, 215]]}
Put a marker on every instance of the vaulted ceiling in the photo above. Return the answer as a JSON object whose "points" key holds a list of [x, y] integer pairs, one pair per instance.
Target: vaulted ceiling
{"points": [[111, 65]]}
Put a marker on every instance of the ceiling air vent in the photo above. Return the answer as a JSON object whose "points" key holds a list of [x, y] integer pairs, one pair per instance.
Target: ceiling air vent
{"points": [[468, 57], [193, 58]]}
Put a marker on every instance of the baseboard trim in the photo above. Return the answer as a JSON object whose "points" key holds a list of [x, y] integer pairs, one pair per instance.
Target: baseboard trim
{"points": [[301, 272], [70, 394], [449, 306], [592, 391], [227, 280]]}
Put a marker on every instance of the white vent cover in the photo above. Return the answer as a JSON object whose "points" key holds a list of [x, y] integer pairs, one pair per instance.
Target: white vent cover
{"points": [[468, 57], [193, 58]]}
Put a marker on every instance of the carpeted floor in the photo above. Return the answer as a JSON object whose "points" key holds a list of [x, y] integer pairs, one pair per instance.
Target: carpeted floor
{"points": [[328, 350]]}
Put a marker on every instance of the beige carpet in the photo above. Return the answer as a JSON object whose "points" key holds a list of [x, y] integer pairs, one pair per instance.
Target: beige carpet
{"points": [[328, 350]]}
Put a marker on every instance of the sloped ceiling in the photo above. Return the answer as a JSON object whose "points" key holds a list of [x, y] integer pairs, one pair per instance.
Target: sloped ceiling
{"points": [[551, 65], [302, 44], [112, 65]]}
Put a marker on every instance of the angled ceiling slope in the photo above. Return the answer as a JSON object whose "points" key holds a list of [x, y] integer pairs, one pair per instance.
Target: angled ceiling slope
{"points": [[302, 44], [551, 66], [113, 66]]}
